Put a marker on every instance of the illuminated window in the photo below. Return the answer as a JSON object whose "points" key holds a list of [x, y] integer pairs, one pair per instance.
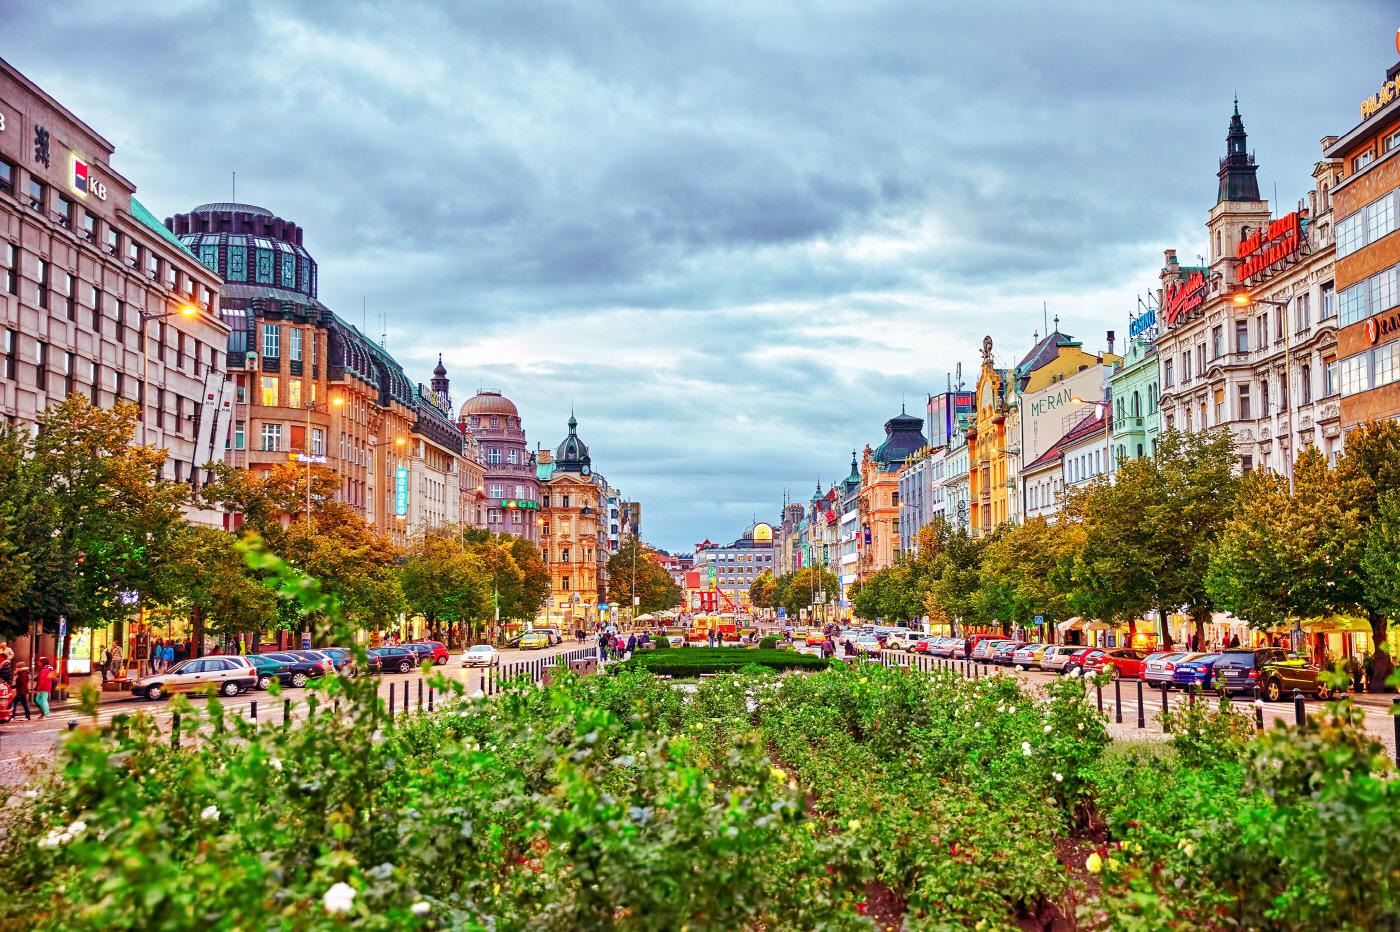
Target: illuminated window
{"points": [[293, 392], [269, 391]]}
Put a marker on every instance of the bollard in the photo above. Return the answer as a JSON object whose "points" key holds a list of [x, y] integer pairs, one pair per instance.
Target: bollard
{"points": [[430, 699], [405, 696], [335, 707], [1300, 713], [392, 693], [1166, 707], [253, 710], [1395, 717], [1118, 700], [175, 730], [1142, 713], [311, 706], [1191, 694], [1098, 694], [286, 712], [420, 694], [1258, 711], [72, 724]]}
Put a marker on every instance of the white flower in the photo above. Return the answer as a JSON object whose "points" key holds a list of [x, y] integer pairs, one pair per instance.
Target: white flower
{"points": [[275, 763], [1059, 777], [210, 814], [1002, 707], [339, 898], [1081, 726], [77, 828], [54, 838], [1026, 748], [976, 724], [1047, 729], [421, 908], [1012, 710]]}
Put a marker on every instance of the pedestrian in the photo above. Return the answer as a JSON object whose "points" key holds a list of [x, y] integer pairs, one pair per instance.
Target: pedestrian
{"points": [[153, 656], [21, 692], [106, 665], [167, 656], [43, 686], [7, 670], [1234, 641], [631, 643]]}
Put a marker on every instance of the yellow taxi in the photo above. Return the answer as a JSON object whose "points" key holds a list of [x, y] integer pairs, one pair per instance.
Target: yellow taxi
{"points": [[534, 640]]}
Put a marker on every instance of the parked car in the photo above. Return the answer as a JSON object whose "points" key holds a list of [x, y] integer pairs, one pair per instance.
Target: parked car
{"points": [[229, 675], [269, 670], [395, 659], [553, 634], [434, 652], [1029, 656], [481, 655], [1116, 662], [344, 660], [1274, 670], [975, 641], [867, 644], [1056, 655], [1196, 672], [947, 647], [534, 640], [305, 665], [813, 638], [1005, 650], [1075, 664], [982, 650], [1160, 668]]}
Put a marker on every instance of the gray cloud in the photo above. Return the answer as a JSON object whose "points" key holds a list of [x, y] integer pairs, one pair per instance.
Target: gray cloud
{"points": [[732, 239]]}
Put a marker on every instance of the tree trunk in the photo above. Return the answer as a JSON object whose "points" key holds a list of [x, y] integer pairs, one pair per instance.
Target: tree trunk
{"points": [[1381, 665], [1199, 615], [1166, 629], [197, 629]]}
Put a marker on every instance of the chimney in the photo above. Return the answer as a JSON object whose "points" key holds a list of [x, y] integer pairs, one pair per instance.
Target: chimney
{"points": [[1170, 257], [1110, 342]]}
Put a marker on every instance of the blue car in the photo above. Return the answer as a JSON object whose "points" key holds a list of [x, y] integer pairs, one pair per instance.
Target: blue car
{"points": [[1199, 672]]}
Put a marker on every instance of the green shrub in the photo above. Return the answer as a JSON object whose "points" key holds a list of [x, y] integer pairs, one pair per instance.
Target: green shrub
{"points": [[661, 643], [768, 643], [694, 661]]}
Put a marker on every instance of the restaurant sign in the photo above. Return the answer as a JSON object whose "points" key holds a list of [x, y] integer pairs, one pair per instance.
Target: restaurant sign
{"points": [[1269, 245], [1183, 298], [1378, 327]]}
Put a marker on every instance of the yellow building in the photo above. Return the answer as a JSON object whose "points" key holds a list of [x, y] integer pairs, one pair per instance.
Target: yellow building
{"points": [[1056, 357], [573, 534], [878, 498], [986, 448]]}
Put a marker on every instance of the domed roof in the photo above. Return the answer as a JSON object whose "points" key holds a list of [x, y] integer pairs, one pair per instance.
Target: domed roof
{"points": [[223, 207], [572, 455], [439, 370], [904, 434], [489, 402]]}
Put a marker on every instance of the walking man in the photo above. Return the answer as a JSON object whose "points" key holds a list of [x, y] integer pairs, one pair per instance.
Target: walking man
{"points": [[21, 692], [43, 686]]}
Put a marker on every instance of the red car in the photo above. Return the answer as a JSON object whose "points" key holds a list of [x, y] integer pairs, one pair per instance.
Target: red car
{"points": [[1117, 662], [429, 650], [1077, 662]]}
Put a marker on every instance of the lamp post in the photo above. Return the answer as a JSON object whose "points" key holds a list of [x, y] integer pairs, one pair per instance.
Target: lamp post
{"points": [[184, 310], [1244, 299], [306, 445]]}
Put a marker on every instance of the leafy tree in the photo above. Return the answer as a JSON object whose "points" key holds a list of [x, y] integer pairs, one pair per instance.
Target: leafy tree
{"points": [[262, 501], [1370, 470], [761, 590], [352, 560], [1284, 556], [533, 589], [953, 578], [214, 583], [1017, 574], [801, 587], [445, 582], [654, 586], [16, 571]]}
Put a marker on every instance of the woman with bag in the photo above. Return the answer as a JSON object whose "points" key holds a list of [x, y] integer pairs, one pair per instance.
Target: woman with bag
{"points": [[43, 686]]}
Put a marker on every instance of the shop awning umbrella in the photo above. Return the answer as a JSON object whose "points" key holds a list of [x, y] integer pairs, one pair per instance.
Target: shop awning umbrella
{"points": [[1337, 624], [1071, 624], [647, 617], [1097, 625]]}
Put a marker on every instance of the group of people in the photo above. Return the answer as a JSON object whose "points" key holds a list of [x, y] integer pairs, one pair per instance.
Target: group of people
{"points": [[613, 646], [26, 683]]}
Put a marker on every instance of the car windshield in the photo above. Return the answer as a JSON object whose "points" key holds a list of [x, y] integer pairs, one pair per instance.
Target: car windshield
{"points": [[184, 666], [1238, 656], [480, 649]]}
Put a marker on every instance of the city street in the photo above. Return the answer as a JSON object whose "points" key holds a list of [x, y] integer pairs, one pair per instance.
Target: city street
{"points": [[25, 743]]}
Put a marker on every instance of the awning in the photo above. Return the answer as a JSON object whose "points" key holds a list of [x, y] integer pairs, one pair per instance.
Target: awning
{"points": [[1071, 624], [1337, 624], [1100, 626], [647, 617]]}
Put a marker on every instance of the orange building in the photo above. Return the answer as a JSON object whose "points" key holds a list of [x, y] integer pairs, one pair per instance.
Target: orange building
{"points": [[572, 534], [986, 448], [878, 499]]}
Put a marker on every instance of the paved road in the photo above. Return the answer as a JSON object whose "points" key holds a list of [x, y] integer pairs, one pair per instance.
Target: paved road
{"points": [[27, 743]]}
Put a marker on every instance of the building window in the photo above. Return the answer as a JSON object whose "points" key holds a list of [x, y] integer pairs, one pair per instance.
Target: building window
{"points": [[1219, 406], [1262, 331], [1355, 376], [269, 397], [1303, 311], [1241, 336], [1217, 341], [1167, 373], [271, 438], [272, 341], [1329, 377], [498, 491], [294, 345], [565, 583], [1305, 377], [293, 392], [240, 435], [9, 256], [38, 194], [1362, 160], [493, 516], [515, 517], [563, 501], [1245, 414], [7, 177], [1264, 397], [318, 441], [1384, 369], [1185, 367], [493, 457], [513, 457], [44, 283]]}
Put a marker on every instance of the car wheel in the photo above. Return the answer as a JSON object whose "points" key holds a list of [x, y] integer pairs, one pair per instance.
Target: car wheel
{"points": [[1113, 673], [154, 692], [440, 661], [264, 681], [349, 672], [405, 666], [1324, 693], [1273, 690], [299, 679], [229, 689]]}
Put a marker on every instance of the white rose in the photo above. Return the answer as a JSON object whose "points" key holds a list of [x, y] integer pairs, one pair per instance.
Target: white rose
{"points": [[339, 898], [421, 908], [77, 828], [1059, 777], [1047, 729], [210, 814], [1026, 748]]}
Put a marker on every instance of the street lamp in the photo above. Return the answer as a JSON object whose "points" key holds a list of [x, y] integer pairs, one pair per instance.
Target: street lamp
{"points": [[306, 444], [184, 310], [1244, 299]]}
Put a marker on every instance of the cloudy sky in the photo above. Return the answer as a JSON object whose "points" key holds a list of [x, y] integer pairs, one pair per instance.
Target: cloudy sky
{"points": [[732, 236]]}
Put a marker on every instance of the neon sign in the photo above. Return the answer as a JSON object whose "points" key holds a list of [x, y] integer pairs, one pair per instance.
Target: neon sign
{"points": [[1184, 297], [1377, 101], [1143, 322], [1282, 239], [401, 491]]}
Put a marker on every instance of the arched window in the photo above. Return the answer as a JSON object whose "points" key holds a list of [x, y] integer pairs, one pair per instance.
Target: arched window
{"points": [[1137, 404], [1219, 247]]}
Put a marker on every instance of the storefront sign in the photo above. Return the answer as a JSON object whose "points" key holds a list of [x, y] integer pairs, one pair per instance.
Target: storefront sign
{"points": [[1142, 323], [1183, 298], [1377, 101], [401, 491], [518, 503], [1282, 239], [82, 179], [1378, 327], [309, 458]]}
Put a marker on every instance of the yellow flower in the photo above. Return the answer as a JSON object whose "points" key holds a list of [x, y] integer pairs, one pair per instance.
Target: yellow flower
{"points": [[1094, 864], [853, 825]]}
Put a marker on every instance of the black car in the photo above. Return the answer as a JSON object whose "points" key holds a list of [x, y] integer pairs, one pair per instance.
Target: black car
{"points": [[304, 665], [396, 659], [270, 669], [344, 660], [1275, 671]]}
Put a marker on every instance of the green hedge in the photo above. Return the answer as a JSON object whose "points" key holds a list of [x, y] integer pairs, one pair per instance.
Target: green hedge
{"points": [[696, 660], [768, 643]]}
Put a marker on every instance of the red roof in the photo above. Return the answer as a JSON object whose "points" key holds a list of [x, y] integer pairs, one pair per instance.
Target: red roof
{"points": [[1090, 425]]}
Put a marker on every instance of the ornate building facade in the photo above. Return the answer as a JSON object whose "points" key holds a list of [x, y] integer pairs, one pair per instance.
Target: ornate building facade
{"points": [[509, 484], [987, 452], [573, 532], [878, 499]]}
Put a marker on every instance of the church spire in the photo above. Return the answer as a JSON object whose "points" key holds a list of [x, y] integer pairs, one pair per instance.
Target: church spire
{"points": [[1238, 171]]}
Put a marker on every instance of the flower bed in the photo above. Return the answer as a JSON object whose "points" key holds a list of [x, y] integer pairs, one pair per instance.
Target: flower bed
{"points": [[696, 660]]}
